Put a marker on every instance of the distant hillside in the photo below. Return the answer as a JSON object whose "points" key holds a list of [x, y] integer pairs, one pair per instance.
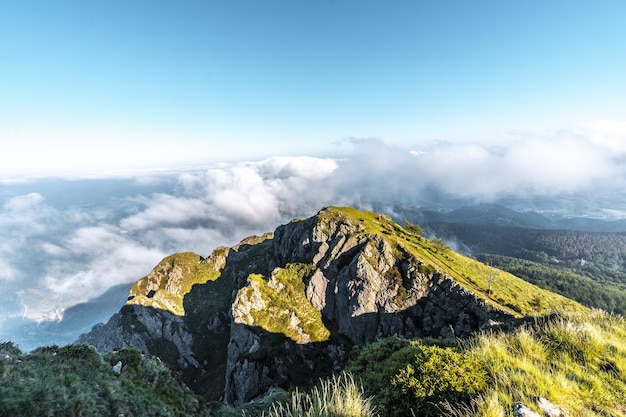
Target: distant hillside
{"points": [[492, 214], [608, 296], [598, 255], [288, 307]]}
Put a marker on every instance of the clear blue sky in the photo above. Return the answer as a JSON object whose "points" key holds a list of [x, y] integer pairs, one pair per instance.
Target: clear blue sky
{"points": [[120, 84]]}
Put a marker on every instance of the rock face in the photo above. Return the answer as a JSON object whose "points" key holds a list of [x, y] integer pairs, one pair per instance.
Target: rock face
{"points": [[286, 308]]}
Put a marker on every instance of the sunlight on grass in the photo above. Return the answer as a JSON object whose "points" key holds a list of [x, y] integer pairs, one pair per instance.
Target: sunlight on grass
{"points": [[339, 396], [508, 292], [286, 308], [575, 361]]}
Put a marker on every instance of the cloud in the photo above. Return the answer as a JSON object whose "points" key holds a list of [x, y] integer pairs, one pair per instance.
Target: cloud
{"points": [[70, 253], [23, 202], [7, 272], [563, 163], [608, 134]]}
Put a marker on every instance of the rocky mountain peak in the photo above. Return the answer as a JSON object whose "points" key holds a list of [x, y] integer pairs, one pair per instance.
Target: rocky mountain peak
{"points": [[285, 308]]}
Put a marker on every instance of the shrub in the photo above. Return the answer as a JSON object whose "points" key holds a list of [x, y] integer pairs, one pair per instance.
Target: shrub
{"points": [[80, 352], [413, 228], [129, 356], [439, 375], [414, 378]]}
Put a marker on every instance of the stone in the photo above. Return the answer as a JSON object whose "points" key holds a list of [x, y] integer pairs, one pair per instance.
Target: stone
{"points": [[117, 368], [363, 287]]}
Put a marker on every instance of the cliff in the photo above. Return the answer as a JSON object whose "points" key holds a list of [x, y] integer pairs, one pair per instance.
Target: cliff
{"points": [[288, 307]]}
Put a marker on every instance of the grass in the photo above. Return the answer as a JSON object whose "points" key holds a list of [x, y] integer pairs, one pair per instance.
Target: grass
{"points": [[339, 396], [75, 381], [168, 283], [287, 309], [577, 362], [507, 292]]}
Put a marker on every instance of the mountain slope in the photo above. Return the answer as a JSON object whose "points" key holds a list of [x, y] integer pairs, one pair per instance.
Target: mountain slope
{"points": [[287, 308]]}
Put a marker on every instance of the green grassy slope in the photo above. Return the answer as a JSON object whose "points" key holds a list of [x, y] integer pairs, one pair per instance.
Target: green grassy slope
{"points": [[75, 381], [575, 364], [508, 292], [608, 296], [168, 283]]}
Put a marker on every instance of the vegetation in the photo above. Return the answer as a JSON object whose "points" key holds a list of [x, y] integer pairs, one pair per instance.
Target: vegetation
{"points": [[607, 296], [576, 362], [75, 381], [417, 378], [503, 290], [600, 256], [287, 309], [339, 396], [566, 353], [413, 228], [168, 283]]}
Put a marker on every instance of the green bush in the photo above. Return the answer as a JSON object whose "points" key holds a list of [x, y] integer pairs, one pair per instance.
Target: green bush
{"points": [[439, 375], [74, 380], [129, 356], [414, 378], [82, 352]]}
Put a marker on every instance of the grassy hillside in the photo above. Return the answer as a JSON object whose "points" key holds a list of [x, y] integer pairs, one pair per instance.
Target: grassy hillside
{"points": [[499, 288], [575, 364], [608, 296], [166, 285], [75, 381]]}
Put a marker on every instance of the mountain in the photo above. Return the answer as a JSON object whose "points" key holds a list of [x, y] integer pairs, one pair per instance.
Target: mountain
{"points": [[501, 215], [288, 307], [492, 214]]}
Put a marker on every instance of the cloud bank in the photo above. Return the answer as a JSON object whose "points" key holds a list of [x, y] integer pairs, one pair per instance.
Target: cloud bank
{"points": [[67, 253]]}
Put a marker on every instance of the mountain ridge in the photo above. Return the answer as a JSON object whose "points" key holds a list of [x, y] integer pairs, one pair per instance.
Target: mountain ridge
{"points": [[287, 307]]}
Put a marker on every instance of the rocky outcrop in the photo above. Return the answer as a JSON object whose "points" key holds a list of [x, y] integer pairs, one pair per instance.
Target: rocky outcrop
{"points": [[286, 308]]}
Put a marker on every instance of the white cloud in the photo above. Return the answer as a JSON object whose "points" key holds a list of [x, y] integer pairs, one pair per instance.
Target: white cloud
{"points": [[23, 202], [7, 272], [609, 134], [73, 253]]}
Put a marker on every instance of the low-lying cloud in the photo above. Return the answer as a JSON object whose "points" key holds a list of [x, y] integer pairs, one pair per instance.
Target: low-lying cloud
{"points": [[69, 253]]}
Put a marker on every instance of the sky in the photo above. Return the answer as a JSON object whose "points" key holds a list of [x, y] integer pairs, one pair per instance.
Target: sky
{"points": [[133, 130], [88, 87]]}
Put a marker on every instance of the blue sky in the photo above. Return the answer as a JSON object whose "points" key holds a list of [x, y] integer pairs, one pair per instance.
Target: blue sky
{"points": [[114, 85]]}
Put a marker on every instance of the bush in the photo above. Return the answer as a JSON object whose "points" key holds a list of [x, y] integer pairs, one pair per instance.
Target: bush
{"points": [[439, 375], [413, 228], [413, 378], [82, 352], [129, 356]]}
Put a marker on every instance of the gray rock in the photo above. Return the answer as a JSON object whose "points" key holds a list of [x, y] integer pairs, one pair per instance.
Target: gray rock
{"points": [[117, 368], [364, 288]]}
